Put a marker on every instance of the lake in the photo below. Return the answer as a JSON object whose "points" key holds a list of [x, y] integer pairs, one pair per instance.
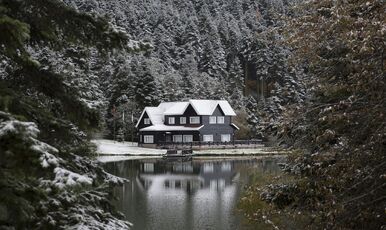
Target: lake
{"points": [[176, 194]]}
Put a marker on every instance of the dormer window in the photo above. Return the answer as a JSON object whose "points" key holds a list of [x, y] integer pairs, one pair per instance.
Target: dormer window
{"points": [[220, 120], [146, 121], [182, 120], [194, 120], [212, 120], [172, 120]]}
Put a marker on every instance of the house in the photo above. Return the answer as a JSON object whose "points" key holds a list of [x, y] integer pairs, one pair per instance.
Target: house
{"points": [[190, 121], [187, 176]]}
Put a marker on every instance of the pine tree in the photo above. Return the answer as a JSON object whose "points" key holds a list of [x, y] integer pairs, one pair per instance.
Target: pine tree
{"points": [[236, 83], [145, 86], [43, 133], [339, 132], [189, 72]]}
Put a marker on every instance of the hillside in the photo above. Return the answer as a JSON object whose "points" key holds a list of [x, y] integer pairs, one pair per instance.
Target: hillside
{"points": [[47, 178], [308, 76], [201, 49]]}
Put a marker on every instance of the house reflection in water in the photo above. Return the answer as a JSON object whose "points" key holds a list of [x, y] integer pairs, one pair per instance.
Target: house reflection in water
{"points": [[186, 176], [201, 194]]}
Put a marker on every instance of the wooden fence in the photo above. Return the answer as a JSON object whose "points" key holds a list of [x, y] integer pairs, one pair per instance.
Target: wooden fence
{"points": [[203, 144]]}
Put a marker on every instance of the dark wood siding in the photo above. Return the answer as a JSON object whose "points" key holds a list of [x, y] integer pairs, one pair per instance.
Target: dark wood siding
{"points": [[209, 129], [158, 136], [161, 136], [189, 112], [141, 123], [217, 129]]}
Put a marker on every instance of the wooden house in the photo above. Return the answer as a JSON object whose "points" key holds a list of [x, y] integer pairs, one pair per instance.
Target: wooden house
{"points": [[185, 122]]}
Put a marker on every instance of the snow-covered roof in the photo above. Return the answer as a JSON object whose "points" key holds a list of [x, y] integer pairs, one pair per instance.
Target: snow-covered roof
{"points": [[235, 126], [170, 128], [176, 108], [202, 107], [155, 114], [226, 108], [207, 107]]}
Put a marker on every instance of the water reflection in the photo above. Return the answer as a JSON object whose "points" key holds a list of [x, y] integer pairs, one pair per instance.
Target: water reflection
{"points": [[187, 176], [184, 195]]}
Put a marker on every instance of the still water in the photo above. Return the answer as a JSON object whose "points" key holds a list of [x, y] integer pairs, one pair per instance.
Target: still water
{"points": [[198, 194]]}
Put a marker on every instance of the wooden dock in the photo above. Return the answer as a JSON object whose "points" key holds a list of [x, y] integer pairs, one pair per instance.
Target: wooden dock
{"points": [[185, 154]]}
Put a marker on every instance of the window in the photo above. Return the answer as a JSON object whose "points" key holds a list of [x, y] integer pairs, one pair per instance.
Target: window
{"points": [[171, 120], [146, 121], [220, 120], [207, 138], [182, 120], [188, 138], [225, 137], [148, 167], [194, 120], [208, 167], [212, 120], [177, 138], [148, 139], [220, 184], [226, 167]]}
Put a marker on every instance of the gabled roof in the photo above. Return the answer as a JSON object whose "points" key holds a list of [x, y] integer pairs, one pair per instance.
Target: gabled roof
{"points": [[155, 114], [175, 108], [202, 107], [207, 107], [226, 108]]}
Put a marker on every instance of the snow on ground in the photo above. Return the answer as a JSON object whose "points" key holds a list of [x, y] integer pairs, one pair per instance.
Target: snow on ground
{"points": [[106, 159], [119, 151], [109, 147]]}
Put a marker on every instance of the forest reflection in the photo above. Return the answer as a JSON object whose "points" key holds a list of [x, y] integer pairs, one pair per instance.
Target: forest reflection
{"points": [[198, 194]]}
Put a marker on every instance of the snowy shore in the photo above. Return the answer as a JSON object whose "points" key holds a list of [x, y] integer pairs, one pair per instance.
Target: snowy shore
{"points": [[130, 149], [109, 147], [110, 151]]}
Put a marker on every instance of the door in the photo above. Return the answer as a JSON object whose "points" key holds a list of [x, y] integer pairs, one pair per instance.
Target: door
{"points": [[168, 138]]}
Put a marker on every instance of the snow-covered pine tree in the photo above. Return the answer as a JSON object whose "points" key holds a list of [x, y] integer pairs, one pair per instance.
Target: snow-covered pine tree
{"points": [[145, 86], [45, 181], [235, 86], [214, 32]]}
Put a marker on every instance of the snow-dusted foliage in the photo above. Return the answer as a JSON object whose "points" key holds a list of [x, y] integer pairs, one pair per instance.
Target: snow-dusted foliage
{"points": [[47, 159], [64, 177], [78, 65], [201, 49], [84, 214], [14, 127], [49, 92], [28, 132], [338, 170], [189, 39], [69, 183]]}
